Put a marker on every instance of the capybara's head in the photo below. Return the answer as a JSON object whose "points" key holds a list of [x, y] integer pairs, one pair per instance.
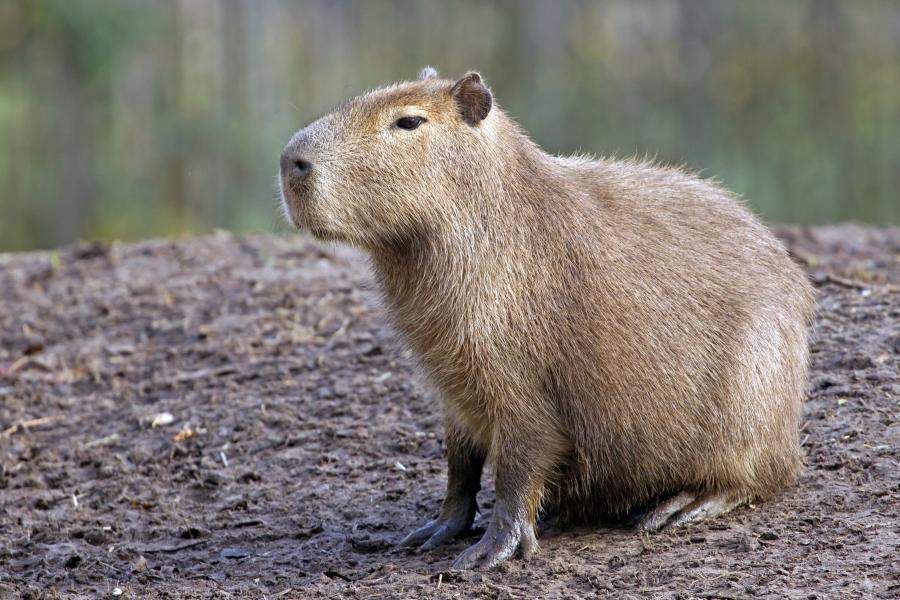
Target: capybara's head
{"points": [[391, 164]]}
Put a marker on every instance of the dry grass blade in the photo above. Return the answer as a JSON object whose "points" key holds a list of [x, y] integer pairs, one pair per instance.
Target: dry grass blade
{"points": [[28, 424]]}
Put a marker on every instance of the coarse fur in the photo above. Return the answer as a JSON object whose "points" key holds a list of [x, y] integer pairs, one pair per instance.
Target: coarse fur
{"points": [[608, 332]]}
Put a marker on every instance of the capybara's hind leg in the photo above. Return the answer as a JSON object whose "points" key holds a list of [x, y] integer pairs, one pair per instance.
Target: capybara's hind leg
{"points": [[656, 518], [705, 507]]}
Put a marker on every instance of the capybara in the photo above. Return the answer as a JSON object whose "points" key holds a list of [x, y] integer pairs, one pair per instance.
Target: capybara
{"points": [[609, 335]]}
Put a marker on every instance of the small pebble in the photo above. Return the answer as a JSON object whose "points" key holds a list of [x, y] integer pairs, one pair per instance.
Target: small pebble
{"points": [[234, 553], [162, 419], [140, 564]]}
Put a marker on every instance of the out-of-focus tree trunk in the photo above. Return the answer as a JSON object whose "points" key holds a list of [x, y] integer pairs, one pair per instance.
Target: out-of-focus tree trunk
{"points": [[74, 149], [831, 96], [174, 188], [545, 41], [234, 87], [698, 26]]}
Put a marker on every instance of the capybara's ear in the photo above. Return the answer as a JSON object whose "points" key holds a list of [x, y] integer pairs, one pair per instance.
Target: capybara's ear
{"points": [[472, 97], [427, 73]]}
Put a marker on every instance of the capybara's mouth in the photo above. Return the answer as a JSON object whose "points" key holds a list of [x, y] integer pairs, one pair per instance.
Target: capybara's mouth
{"points": [[289, 211], [294, 205], [298, 213]]}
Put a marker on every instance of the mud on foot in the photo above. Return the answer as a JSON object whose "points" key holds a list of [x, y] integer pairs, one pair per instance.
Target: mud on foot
{"points": [[501, 540]]}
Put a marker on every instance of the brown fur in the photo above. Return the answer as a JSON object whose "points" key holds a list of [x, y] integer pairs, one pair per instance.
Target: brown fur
{"points": [[608, 332]]}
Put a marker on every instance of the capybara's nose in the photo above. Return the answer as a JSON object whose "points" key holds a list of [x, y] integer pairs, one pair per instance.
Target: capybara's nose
{"points": [[292, 165]]}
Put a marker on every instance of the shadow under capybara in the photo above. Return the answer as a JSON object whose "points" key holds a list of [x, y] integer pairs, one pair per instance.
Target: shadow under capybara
{"points": [[606, 334]]}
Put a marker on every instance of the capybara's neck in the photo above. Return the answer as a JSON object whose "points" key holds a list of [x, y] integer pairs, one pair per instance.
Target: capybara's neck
{"points": [[495, 213]]}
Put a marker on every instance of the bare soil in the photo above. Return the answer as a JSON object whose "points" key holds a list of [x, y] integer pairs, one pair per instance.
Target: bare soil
{"points": [[231, 417]]}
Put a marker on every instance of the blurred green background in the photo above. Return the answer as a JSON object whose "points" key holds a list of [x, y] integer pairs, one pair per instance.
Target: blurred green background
{"points": [[125, 119]]}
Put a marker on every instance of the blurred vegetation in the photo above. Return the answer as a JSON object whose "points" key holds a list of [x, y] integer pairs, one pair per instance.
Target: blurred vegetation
{"points": [[124, 119]]}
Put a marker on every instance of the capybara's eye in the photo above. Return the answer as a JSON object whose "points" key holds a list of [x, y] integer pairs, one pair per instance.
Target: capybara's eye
{"points": [[409, 123]]}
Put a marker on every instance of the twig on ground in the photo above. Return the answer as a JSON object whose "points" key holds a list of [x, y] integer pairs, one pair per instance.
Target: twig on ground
{"points": [[27, 424], [860, 285]]}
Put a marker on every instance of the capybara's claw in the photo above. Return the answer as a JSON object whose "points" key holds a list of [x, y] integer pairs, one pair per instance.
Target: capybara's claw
{"points": [[436, 532], [497, 544], [686, 507], [421, 534], [447, 531]]}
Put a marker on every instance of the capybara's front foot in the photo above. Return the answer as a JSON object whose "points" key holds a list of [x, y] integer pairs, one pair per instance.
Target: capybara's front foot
{"points": [[455, 518], [503, 537]]}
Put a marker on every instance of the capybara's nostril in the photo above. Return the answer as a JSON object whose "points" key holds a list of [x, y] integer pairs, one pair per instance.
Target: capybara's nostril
{"points": [[293, 166]]}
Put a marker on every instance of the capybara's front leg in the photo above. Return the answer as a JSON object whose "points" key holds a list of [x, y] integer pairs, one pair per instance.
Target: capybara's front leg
{"points": [[465, 462], [522, 463]]}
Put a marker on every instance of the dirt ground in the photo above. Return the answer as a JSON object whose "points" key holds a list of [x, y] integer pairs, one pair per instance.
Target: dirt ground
{"points": [[231, 417]]}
